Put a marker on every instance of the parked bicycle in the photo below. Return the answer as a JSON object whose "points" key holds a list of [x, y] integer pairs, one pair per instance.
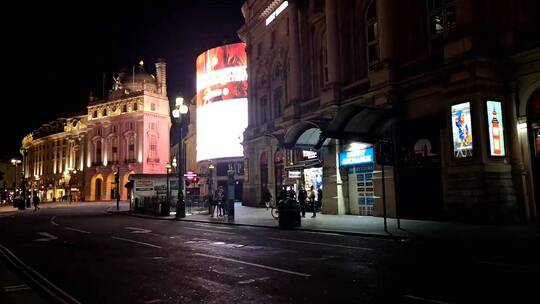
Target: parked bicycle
{"points": [[273, 208]]}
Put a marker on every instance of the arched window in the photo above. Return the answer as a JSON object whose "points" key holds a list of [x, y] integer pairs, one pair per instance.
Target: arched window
{"points": [[441, 20], [131, 149], [114, 149], [372, 34]]}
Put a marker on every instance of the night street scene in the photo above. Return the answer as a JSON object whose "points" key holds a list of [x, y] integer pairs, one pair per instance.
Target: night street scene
{"points": [[270, 151]]}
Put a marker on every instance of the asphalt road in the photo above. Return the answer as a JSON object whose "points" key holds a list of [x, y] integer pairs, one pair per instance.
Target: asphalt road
{"points": [[97, 257]]}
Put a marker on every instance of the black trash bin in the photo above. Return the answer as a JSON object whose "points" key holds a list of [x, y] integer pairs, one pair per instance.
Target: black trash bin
{"points": [[289, 213]]}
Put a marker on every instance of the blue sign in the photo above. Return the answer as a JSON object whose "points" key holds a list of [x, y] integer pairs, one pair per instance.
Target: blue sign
{"points": [[356, 157]]}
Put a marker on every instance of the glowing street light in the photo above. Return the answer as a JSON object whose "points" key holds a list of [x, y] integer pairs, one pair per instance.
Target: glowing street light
{"points": [[178, 112]]}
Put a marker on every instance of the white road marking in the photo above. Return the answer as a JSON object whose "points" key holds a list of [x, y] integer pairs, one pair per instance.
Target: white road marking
{"points": [[305, 275], [53, 222], [78, 230], [136, 242], [323, 244], [152, 301], [138, 230], [214, 226], [424, 300], [16, 288], [47, 237], [209, 230]]}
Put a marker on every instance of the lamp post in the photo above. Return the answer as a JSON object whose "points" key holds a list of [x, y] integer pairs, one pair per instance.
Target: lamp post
{"points": [[168, 167], [178, 111], [16, 162]]}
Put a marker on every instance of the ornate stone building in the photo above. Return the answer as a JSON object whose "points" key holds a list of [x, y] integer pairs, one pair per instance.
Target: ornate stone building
{"points": [[127, 132], [426, 84]]}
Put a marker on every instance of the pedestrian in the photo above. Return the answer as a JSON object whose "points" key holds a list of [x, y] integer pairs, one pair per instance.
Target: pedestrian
{"points": [[292, 193], [219, 201], [266, 198], [302, 196], [35, 200], [215, 202], [283, 194], [224, 203], [311, 198], [319, 198]]}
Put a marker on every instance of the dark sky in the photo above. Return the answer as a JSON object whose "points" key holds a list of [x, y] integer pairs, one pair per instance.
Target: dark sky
{"points": [[57, 51]]}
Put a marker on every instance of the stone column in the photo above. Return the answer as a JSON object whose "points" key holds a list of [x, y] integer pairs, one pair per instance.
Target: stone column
{"points": [[519, 172], [332, 41], [294, 56], [333, 199]]}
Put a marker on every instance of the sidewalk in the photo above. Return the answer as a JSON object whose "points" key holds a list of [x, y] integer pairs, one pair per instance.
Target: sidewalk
{"points": [[371, 226]]}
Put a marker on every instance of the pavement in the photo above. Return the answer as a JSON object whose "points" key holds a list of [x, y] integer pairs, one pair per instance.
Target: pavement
{"points": [[368, 225]]}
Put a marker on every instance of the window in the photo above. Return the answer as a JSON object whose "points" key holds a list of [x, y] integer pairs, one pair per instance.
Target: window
{"points": [[441, 20], [152, 106], [278, 101], [372, 34], [135, 107], [131, 148], [104, 112], [124, 108], [98, 151], [94, 114], [152, 157], [114, 149], [264, 110]]}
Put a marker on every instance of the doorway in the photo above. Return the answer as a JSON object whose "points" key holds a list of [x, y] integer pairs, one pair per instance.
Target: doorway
{"points": [[98, 189]]}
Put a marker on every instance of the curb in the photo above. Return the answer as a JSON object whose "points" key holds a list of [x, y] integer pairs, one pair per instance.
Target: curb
{"points": [[42, 285], [388, 236]]}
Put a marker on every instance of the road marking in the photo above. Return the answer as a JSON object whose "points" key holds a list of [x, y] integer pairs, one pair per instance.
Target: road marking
{"points": [[47, 237], [138, 230], [424, 300], [305, 275], [208, 230], [324, 244], [213, 226], [44, 284], [16, 288], [53, 222], [152, 301], [136, 242], [78, 230]]}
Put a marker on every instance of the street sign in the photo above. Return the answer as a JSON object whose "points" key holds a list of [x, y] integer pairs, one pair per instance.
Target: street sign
{"points": [[190, 174]]}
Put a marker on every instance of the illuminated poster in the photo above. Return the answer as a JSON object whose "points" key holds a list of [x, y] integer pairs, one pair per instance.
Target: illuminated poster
{"points": [[461, 130], [221, 101], [495, 125]]}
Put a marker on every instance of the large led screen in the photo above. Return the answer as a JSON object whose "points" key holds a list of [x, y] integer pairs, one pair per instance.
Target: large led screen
{"points": [[461, 130], [221, 101], [495, 127]]}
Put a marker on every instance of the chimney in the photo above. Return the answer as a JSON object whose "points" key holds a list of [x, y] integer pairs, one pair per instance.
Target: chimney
{"points": [[161, 73]]}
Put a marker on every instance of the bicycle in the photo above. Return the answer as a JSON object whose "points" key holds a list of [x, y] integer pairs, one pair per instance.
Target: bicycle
{"points": [[273, 209]]}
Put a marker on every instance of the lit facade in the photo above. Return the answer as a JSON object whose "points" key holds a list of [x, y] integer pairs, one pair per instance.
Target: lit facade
{"points": [[325, 76], [127, 132]]}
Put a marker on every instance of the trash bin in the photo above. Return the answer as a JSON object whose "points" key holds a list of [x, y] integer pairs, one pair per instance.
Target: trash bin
{"points": [[289, 213], [21, 204]]}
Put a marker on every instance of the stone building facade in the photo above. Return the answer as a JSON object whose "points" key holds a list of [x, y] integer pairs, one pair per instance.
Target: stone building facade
{"points": [[327, 75], [124, 133]]}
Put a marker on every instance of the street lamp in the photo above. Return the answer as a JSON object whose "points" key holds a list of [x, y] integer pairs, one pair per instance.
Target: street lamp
{"points": [[178, 111], [168, 167], [15, 162]]}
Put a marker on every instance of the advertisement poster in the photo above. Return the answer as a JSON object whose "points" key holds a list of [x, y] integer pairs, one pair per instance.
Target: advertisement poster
{"points": [[495, 125], [461, 130], [356, 157], [222, 89]]}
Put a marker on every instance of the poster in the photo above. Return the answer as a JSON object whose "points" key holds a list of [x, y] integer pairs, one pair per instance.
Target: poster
{"points": [[461, 130], [495, 127]]}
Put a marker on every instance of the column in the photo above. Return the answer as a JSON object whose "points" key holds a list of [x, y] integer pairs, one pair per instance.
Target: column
{"points": [[294, 53], [333, 199], [332, 41]]}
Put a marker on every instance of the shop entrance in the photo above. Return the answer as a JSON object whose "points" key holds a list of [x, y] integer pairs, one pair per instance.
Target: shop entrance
{"points": [[419, 171]]}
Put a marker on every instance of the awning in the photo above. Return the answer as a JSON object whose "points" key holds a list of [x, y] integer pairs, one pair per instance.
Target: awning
{"points": [[361, 123], [306, 135]]}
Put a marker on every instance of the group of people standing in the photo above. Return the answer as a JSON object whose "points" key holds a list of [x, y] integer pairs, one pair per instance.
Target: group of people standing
{"points": [[218, 203], [311, 196]]}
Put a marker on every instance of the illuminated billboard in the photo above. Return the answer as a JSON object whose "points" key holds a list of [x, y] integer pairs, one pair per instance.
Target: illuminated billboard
{"points": [[222, 113], [495, 127], [461, 130]]}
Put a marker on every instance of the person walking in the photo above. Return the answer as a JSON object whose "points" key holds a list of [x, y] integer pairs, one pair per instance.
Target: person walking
{"points": [[311, 198], [319, 198], [35, 200], [219, 200], [302, 196], [266, 197]]}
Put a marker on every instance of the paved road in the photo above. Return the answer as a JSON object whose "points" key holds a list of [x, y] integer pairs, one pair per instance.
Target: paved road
{"points": [[97, 257]]}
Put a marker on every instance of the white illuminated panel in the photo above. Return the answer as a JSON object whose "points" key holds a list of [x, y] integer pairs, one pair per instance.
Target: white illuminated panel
{"points": [[278, 11]]}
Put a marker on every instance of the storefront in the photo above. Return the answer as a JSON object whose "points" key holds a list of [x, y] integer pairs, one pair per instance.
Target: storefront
{"points": [[358, 163]]}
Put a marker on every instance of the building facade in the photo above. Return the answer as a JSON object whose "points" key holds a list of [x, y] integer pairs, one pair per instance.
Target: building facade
{"points": [[125, 133], [422, 109]]}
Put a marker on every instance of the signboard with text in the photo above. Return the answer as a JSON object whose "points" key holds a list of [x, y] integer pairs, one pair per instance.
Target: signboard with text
{"points": [[356, 157]]}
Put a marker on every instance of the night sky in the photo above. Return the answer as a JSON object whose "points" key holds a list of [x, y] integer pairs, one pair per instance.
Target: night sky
{"points": [[57, 52]]}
